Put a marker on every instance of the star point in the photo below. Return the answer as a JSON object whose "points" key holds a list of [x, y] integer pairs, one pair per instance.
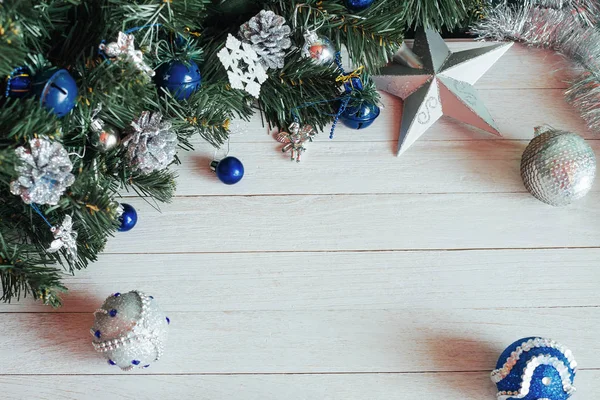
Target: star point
{"points": [[443, 86]]}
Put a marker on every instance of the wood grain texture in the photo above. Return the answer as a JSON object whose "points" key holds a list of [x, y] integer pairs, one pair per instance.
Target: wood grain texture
{"points": [[312, 341], [355, 275], [490, 166], [362, 222], [339, 281], [447, 386]]}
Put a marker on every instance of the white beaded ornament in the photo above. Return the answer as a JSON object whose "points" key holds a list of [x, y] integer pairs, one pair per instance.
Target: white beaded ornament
{"points": [[130, 330]]}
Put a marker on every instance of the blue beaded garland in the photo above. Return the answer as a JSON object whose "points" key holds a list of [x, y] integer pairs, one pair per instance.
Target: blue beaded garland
{"points": [[111, 362], [128, 219], [18, 84], [97, 334], [535, 368], [358, 5], [360, 117], [112, 313], [180, 78], [136, 362], [229, 170], [57, 90]]}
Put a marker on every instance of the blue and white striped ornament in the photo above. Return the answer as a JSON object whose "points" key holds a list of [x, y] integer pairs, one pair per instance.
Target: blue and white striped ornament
{"points": [[535, 368]]}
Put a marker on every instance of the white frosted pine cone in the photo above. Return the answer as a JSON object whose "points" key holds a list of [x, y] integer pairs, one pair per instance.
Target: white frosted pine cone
{"points": [[269, 36], [152, 145]]}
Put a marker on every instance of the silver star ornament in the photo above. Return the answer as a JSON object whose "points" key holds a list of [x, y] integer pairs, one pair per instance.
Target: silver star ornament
{"points": [[433, 82]]}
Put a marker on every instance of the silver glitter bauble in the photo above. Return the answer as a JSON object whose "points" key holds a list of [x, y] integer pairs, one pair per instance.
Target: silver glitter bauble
{"points": [[104, 137], [44, 172], [319, 48], [130, 330], [152, 145], [558, 167]]}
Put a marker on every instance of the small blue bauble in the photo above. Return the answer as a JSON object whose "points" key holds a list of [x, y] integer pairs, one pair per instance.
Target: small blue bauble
{"points": [[361, 116], [180, 78], [19, 82], [128, 219], [535, 368], [358, 5], [57, 91], [229, 170]]}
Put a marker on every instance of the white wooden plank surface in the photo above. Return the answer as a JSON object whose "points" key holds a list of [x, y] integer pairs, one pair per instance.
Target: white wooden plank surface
{"points": [[354, 275], [447, 386], [366, 167], [362, 222], [311, 341], [340, 281]]}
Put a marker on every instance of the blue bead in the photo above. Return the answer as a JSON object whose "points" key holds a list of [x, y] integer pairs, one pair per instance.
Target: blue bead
{"points": [[358, 5], [546, 381], [180, 78], [57, 91], [97, 334], [229, 170], [152, 297], [112, 313], [168, 320], [146, 366], [136, 362], [111, 362], [117, 294], [128, 219], [19, 83], [360, 117]]}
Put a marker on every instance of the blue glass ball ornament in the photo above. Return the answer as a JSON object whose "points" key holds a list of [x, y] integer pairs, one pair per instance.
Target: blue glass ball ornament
{"points": [[358, 5], [128, 219], [57, 90], [535, 368], [229, 170], [180, 78], [361, 116], [19, 83]]}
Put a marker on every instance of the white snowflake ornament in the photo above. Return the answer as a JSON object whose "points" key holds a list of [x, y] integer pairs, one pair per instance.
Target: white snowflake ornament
{"points": [[243, 66]]}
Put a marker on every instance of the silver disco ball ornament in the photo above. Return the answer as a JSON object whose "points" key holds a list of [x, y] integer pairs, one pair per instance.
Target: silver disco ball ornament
{"points": [[104, 137], [130, 330], [558, 167], [319, 48]]}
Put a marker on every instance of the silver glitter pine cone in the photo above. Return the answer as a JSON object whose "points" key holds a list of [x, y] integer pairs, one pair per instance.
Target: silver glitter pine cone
{"points": [[269, 36], [152, 145], [130, 330], [558, 167], [44, 172]]}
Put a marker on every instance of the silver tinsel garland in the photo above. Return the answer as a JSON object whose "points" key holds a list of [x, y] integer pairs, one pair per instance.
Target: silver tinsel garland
{"points": [[567, 26]]}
